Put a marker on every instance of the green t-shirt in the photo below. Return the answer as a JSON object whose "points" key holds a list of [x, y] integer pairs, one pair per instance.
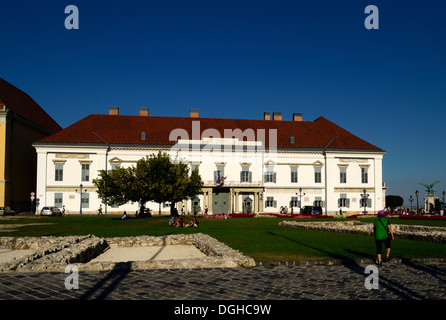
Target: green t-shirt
{"points": [[380, 231]]}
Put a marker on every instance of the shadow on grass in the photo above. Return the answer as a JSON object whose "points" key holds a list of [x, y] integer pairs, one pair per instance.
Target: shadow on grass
{"points": [[331, 255]]}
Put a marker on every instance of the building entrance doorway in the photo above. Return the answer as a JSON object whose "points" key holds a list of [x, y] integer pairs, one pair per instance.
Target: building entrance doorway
{"points": [[247, 205], [220, 201], [195, 206]]}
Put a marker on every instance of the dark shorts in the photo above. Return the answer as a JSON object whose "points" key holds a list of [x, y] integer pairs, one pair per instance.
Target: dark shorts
{"points": [[379, 244]]}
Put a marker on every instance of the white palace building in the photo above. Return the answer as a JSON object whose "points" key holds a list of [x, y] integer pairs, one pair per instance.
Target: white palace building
{"points": [[246, 165]]}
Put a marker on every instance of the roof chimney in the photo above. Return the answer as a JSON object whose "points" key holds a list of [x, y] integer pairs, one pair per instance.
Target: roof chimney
{"points": [[277, 116], [266, 116], [297, 117], [194, 113], [113, 111], [144, 112]]}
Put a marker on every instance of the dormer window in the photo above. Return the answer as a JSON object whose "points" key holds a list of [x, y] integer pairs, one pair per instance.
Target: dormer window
{"points": [[143, 136]]}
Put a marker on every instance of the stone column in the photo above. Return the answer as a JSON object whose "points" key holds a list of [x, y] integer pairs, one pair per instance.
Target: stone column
{"points": [[236, 201], [256, 202]]}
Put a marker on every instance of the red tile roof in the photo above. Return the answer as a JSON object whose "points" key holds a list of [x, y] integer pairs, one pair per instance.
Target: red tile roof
{"points": [[23, 105], [126, 130]]}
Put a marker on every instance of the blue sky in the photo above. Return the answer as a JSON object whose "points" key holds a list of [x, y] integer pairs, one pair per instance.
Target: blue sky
{"points": [[237, 59]]}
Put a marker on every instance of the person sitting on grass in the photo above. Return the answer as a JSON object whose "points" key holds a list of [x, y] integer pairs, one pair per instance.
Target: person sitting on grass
{"points": [[181, 223], [193, 222], [173, 222]]}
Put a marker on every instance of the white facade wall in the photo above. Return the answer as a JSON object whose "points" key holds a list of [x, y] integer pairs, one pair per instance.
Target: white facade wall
{"points": [[71, 158]]}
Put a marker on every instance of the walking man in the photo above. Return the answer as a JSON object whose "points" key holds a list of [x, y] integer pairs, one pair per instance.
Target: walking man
{"points": [[383, 234]]}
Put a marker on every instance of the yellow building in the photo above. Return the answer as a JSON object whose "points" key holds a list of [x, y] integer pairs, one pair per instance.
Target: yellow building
{"points": [[22, 122]]}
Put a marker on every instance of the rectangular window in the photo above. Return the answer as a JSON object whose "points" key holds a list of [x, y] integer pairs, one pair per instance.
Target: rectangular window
{"points": [[245, 175], [343, 174], [317, 202], [85, 201], [294, 202], [343, 201], [58, 172], [364, 175], [58, 200], [85, 172], [221, 170], [194, 167], [294, 176], [317, 175], [220, 173], [270, 175], [368, 203], [270, 202], [114, 166]]}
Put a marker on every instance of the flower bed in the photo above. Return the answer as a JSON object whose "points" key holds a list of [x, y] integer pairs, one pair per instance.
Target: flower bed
{"points": [[242, 215], [266, 215], [400, 216], [421, 217], [298, 216]]}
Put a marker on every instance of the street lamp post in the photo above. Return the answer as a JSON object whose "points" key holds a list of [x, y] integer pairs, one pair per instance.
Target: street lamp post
{"points": [[300, 199], [365, 196], [416, 193], [444, 192], [411, 199], [106, 156], [80, 202]]}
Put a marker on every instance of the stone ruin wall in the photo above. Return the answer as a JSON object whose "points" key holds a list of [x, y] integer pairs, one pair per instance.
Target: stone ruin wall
{"points": [[56, 253]]}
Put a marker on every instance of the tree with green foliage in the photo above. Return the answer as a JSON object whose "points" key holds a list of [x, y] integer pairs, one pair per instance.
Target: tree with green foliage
{"points": [[394, 201], [154, 178]]}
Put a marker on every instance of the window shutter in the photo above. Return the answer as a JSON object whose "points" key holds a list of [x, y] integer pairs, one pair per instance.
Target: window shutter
{"points": [[241, 176], [275, 203], [369, 203], [274, 177], [339, 203], [250, 176], [347, 203]]}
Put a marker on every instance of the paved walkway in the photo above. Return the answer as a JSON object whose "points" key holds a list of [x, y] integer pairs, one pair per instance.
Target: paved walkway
{"points": [[404, 281]]}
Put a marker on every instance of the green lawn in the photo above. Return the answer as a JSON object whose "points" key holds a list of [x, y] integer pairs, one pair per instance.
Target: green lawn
{"points": [[259, 238]]}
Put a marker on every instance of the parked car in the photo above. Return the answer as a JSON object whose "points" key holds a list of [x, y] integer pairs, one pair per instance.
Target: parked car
{"points": [[50, 211], [312, 210]]}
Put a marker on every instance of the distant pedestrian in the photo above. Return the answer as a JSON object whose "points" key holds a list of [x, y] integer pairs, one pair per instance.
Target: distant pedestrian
{"points": [[383, 234], [100, 210]]}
